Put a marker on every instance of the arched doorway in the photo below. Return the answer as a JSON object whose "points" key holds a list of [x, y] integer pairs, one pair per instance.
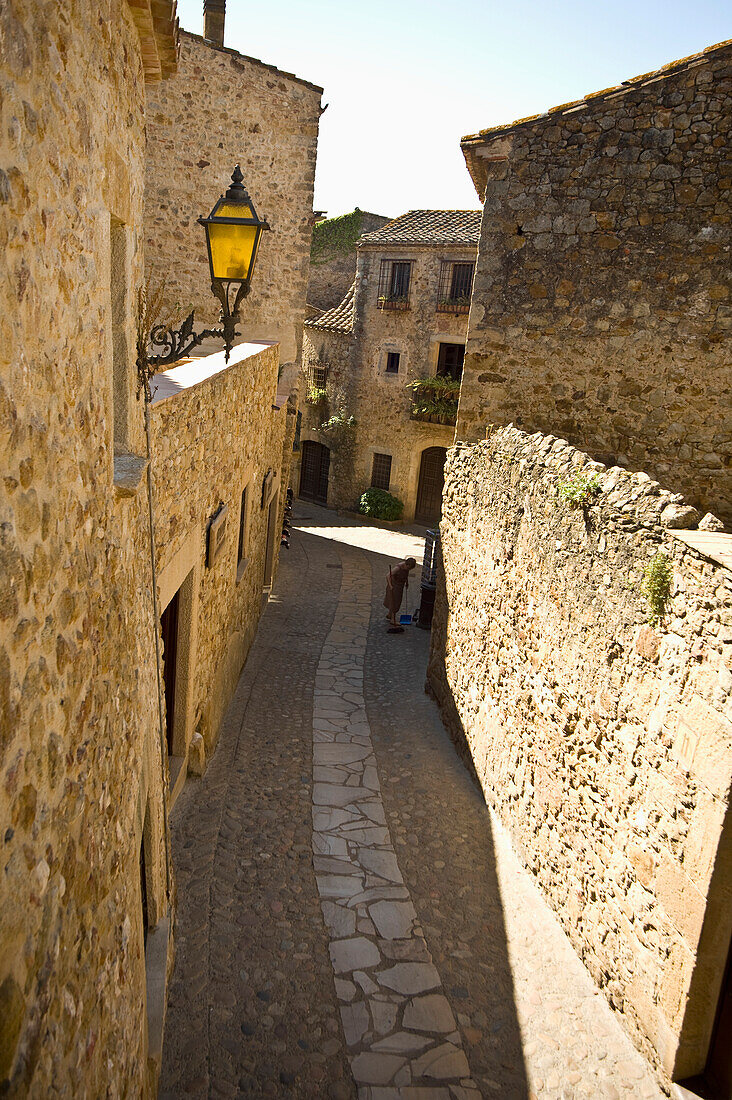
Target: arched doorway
{"points": [[429, 488], [314, 467]]}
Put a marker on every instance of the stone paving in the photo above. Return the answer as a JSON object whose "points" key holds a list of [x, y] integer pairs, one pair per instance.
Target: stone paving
{"points": [[351, 920]]}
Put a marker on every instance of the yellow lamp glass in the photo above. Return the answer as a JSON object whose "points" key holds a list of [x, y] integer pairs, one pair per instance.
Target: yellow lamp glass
{"points": [[233, 247]]}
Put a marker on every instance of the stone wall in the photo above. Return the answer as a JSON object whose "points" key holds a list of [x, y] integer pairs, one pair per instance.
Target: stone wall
{"points": [[81, 781], [333, 352], [222, 109], [603, 742], [333, 264], [212, 440], [601, 305]]}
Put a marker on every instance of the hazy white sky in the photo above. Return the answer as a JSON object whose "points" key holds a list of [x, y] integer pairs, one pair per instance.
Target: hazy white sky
{"points": [[405, 79]]}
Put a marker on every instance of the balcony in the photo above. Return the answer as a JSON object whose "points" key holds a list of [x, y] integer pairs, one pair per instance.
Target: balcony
{"points": [[386, 301], [453, 305], [435, 400]]}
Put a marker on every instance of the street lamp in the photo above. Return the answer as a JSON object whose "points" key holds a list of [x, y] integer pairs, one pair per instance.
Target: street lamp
{"points": [[233, 231]]}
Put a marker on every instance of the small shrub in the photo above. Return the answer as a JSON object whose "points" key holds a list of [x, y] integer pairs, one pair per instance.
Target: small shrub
{"points": [[380, 505], [656, 586], [579, 489], [316, 395]]}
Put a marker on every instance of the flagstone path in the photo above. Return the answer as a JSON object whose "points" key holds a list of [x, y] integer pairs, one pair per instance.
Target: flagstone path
{"points": [[352, 922]]}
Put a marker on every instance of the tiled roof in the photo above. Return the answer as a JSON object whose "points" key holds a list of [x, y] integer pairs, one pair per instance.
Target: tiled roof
{"points": [[611, 93], [429, 227], [339, 318]]}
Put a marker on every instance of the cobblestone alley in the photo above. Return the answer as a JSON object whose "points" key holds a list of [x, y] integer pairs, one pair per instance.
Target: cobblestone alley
{"points": [[352, 920]]}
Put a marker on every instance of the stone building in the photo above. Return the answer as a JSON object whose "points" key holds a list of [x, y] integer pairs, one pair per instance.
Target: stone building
{"points": [[333, 256], [136, 539], [404, 319], [601, 309], [599, 719], [82, 767], [223, 108]]}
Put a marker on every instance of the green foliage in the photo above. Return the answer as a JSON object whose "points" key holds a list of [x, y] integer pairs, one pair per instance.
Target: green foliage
{"points": [[656, 586], [435, 396], [341, 431], [380, 504], [338, 422], [578, 490], [335, 236], [316, 395]]}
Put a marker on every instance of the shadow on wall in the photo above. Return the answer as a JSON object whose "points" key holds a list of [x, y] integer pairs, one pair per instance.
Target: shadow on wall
{"points": [[451, 872]]}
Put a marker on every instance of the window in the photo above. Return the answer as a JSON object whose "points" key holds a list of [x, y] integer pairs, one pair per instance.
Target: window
{"points": [[298, 432], [241, 553], [394, 280], [381, 472], [392, 362], [318, 375], [450, 360], [456, 284]]}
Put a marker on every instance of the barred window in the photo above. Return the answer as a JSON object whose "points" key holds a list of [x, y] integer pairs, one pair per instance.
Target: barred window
{"points": [[394, 279], [392, 362], [318, 375], [456, 284], [381, 472]]}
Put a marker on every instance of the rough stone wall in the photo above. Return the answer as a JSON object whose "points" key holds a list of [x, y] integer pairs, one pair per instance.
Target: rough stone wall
{"points": [[601, 305], [334, 352], [332, 273], [210, 442], [605, 744], [79, 749], [383, 402], [222, 109]]}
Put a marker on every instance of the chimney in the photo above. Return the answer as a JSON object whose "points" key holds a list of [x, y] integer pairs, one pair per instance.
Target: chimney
{"points": [[214, 14]]}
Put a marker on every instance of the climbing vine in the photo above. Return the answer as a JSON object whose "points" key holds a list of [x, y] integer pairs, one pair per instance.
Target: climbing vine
{"points": [[335, 236], [656, 586]]}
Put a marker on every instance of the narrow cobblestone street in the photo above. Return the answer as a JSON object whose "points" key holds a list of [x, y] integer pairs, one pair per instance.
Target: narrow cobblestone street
{"points": [[352, 921]]}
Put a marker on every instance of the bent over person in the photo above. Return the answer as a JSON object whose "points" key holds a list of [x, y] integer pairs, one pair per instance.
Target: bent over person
{"points": [[396, 582]]}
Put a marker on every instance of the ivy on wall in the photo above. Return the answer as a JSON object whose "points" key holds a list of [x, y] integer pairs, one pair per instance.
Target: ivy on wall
{"points": [[335, 236]]}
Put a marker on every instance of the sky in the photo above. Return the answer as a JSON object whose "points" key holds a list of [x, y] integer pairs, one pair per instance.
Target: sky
{"points": [[404, 80]]}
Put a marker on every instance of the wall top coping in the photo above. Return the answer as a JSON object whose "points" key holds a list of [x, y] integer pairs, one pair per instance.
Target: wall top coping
{"points": [[614, 93], [191, 372], [157, 26], [253, 60], [716, 545]]}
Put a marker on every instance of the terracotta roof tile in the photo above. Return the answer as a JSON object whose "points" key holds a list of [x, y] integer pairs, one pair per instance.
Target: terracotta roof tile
{"points": [[339, 318], [429, 227], [628, 85]]}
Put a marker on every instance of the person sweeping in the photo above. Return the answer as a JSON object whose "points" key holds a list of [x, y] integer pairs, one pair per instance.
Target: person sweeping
{"points": [[396, 582]]}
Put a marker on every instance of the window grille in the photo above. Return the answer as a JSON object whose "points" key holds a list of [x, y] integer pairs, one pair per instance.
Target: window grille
{"points": [[318, 375], [381, 472], [450, 360], [456, 284], [394, 279], [392, 362]]}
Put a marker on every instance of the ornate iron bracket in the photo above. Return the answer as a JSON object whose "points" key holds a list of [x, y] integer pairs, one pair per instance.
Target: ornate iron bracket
{"points": [[178, 343]]}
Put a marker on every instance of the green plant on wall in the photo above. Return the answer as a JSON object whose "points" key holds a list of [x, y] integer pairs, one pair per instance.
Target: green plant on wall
{"points": [[340, 428], [656, 586], [335, 236], [579, 489], [435, 397], [380, 505], [317, 395]]}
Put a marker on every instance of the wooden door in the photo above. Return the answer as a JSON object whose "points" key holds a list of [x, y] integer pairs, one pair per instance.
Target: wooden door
{"points": [[269, 549], [169, 625], [314, 467], [429, 489]]}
